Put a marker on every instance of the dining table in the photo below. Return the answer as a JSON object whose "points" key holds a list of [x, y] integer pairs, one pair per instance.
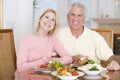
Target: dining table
{"points": [[31, 74]]}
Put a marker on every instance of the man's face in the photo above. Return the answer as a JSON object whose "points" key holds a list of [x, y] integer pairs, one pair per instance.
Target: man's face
{"points": [[76, 17]]}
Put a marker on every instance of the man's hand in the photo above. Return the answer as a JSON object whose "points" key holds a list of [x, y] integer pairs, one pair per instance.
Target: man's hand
{"points": [[79, 59], [113, 65]]}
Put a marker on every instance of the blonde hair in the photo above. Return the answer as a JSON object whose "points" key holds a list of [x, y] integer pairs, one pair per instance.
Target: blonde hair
{"points": [[54, 30]]}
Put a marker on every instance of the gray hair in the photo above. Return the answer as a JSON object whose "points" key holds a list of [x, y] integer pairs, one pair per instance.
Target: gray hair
{"points": [[78, 4]]}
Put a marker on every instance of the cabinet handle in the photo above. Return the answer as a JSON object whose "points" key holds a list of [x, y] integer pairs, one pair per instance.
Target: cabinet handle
{"points": [[118, 38]]}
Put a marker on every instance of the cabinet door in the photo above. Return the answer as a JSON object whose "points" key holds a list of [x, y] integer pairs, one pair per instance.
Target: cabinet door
{"points": [[7, 55], [117, 43]]}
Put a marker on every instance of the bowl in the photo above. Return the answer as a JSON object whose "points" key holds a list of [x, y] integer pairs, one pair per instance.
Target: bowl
{"points": [[54, 73], [92, 72], [92, 69], [94, 77]]}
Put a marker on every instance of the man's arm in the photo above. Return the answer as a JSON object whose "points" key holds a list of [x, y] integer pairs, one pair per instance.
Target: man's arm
{"points": [[113, 57]]}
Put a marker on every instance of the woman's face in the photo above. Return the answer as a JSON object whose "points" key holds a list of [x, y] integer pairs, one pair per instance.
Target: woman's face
{"points": [[48, 21]]}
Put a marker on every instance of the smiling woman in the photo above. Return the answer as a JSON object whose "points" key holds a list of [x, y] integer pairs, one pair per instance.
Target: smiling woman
{"points": [[0, 14]]}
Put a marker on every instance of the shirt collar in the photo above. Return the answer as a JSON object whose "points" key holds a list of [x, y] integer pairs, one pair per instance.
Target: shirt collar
{"points": [[70, 34]]}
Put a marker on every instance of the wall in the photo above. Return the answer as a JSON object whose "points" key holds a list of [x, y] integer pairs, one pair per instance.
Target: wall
{"points": [[107, 7], [62, 11], [94, 12], [117, 8], [18, 14]]}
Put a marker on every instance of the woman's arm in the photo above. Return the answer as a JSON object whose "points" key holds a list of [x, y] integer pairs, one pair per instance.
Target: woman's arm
{"points": [[65, 56], [22, 57]]}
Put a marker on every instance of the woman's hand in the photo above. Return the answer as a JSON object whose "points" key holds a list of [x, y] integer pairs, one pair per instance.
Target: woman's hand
{"points": [[76, 57], [54, 59], [113, 65]]}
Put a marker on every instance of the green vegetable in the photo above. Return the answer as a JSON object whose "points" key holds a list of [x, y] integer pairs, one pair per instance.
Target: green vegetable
{"points": [[90, 62], [94, 68], [56, 65]]}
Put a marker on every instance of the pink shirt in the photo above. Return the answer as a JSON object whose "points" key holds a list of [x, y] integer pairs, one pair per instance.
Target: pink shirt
{"points": [[34, 51]]}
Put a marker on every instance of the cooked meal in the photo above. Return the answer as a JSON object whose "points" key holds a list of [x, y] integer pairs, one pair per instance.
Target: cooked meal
{"points": [[53, 65], [68, 72], [43, 66], [90, 61], [83, 62], [92, 67]]}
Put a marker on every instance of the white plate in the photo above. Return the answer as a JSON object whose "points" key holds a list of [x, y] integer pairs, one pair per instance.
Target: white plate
{"points": [[42, 70], [54, 73]]}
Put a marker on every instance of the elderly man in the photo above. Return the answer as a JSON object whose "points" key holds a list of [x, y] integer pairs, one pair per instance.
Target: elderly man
{"points": [[81, 41]]}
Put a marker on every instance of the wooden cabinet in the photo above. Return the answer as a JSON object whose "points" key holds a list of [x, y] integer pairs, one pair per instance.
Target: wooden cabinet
{"points": [[117, 43], [7, 55]]}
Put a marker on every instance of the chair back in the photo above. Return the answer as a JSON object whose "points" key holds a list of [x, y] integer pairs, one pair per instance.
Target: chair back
{"points": [[7, 55], [108, 35]]}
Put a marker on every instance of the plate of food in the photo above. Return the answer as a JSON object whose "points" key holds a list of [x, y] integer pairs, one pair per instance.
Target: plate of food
{"points": [[48, 68], [43, 68], [82, 62], [92, 69], [66, 74]]}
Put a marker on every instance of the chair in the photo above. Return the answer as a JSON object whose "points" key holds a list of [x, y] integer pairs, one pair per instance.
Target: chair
{"points": [[7, 55], [107, 33]]}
